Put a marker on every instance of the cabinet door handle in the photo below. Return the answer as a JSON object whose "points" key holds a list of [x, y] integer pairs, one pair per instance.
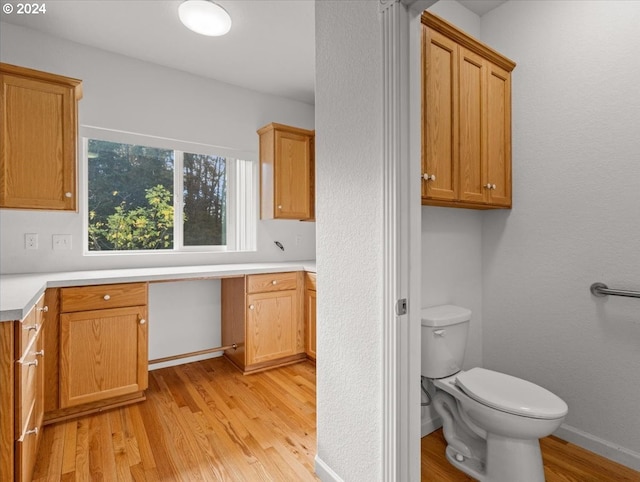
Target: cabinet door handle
{"points": [[44, 309], [39, 353], [33, 431], [274, 282], [106, 297], [31, 327], [142, 321], [251, 307], [428, 177], [279, 206], [490, 186], [33, 363], [67, 194]]}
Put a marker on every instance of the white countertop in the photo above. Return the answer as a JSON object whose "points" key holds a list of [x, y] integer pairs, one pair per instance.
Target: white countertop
{"points": [[19, 292]]}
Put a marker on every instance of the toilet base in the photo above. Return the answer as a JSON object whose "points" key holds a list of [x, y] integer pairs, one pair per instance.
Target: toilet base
{"points": [[508, 460]]}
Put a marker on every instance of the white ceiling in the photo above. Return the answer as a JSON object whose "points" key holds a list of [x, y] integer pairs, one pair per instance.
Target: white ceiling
{"points": [[480, 7], [271, 46]]}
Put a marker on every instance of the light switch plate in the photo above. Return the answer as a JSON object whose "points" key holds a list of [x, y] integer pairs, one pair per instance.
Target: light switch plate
{"points": [[61, 242]]}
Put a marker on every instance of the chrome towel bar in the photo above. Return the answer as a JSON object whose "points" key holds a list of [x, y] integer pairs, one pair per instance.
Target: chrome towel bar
{"points": [[601, 289]]}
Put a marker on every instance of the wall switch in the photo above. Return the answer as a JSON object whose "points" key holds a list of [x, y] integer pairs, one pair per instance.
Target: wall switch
{"points": [[61, 242], [31, 241]]}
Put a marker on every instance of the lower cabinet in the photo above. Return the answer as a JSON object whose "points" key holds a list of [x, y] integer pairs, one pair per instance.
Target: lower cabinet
{"points": [[103, 354], [21, 393], [102, 349], [263, 315], [310, 315]]}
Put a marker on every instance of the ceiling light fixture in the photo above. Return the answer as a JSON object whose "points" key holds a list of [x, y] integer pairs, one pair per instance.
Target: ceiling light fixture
{"points": [[204, 17]]}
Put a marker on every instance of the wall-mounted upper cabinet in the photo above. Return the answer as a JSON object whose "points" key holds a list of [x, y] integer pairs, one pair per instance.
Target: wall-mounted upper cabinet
{"points": [[287, 172], [466, 119], [39, 133]]}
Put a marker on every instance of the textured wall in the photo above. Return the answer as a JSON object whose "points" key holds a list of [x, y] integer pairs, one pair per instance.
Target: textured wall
{"points": [[349, 254], [126, 94], [576, 185]]}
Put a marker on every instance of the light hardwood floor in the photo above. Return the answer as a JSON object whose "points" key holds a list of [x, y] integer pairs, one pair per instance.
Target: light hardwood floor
{"points": [[206, 421]]}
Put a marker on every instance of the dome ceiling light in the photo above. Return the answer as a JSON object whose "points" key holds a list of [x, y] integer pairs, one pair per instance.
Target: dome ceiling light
{"points": [[204, 17]]}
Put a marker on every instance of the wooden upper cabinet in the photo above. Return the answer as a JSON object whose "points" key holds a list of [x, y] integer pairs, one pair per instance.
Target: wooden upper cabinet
{"points": [[287, 188], [38, 138], [466, 123]]}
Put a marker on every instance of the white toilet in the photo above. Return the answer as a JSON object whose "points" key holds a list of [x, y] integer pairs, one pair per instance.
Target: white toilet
{"points": [[491, 421]]}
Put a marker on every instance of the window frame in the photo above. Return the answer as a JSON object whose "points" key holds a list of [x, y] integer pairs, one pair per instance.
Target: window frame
{"points": [[241, 200]]}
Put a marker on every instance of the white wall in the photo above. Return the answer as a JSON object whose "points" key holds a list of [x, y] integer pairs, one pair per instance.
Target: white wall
{"points": [[452, 244], [349, 252], [576, 188], [130, 95]]}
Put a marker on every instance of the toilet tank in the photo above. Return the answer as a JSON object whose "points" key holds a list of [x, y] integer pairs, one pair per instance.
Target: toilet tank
{"points": [[444, 339]]}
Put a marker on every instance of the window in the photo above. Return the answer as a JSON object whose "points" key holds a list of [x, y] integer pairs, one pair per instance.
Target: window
{"points": [[145, 198]]}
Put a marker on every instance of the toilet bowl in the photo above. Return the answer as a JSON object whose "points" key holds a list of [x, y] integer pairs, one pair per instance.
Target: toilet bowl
{"points": [[492, 422]]}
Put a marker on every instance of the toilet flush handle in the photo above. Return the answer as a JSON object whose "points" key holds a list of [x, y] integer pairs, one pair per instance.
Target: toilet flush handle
{"points": [[440, 333]]}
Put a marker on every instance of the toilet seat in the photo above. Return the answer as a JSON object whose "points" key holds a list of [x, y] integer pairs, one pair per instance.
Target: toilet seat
{"points": [[510, 394]]}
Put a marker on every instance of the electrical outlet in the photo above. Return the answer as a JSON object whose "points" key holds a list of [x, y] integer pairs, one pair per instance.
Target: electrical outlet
{"points": [[61, 242], [31, 241]]}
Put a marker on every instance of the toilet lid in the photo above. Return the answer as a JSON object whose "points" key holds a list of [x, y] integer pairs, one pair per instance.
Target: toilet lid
{"points": [[510, 394]]}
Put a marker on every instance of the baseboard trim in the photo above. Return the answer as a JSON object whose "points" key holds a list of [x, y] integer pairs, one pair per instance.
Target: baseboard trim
{"points": [[324, 472], [599, 446]]}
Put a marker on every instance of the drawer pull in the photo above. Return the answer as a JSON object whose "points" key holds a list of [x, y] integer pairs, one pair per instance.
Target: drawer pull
{"points": [[33, 363], [274, 282], [106, 297], [44, 309]]}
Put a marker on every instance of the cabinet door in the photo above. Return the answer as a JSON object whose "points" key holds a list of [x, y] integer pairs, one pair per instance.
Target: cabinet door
{"points": [[272, 327], [472, 109], [293, 172], [103, 354], [439, 137], [310, 323], [498, 135], [39, 133]]}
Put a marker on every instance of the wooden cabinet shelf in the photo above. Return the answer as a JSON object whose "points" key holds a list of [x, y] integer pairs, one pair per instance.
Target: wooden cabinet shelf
{"points": [[287, 186], [466, 124], [39, 139]]}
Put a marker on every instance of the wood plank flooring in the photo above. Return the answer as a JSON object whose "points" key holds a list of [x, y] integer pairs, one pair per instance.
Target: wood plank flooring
{"points": [[206, 421]]}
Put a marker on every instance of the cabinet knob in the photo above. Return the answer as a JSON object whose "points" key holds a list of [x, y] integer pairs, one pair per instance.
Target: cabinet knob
{"points": [[251, 307], [279, 206], [106, 297], [490, 186], [274, 282], [33, 363], [67, 194], [44, 309], [39, 353], [142, 321], [429, 177], [493, 186]]}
